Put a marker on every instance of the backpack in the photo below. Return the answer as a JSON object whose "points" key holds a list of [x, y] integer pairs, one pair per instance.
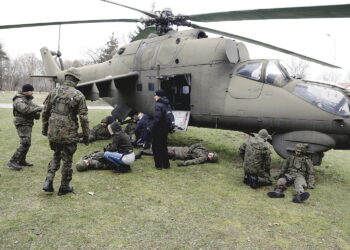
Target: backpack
{"points": [[170, 120]]}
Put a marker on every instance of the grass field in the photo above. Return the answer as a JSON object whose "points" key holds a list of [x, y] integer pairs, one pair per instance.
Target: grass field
{"points": [[197, 207]]}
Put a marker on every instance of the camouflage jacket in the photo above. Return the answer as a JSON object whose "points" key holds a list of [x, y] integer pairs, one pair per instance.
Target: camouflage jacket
{"points": [[195, 154], [99, 132], [256, 155], [24, 110], [61, 108], [299, 166]]}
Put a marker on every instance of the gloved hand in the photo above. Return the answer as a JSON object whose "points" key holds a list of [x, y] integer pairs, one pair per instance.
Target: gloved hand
{"points": [[86, 140], [44, 132], [37, 116], [180, 163]]}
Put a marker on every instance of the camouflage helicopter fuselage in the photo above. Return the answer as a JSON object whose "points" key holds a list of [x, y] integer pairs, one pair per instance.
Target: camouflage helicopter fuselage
{"points": [[221, 88]]}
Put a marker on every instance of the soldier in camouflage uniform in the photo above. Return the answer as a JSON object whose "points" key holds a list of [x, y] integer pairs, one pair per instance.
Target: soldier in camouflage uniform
{"points": [[94, 161], [193, 155], [131, 127], [60, 124], [257, 160], [24, 112], [100, 131], [297, 169]]}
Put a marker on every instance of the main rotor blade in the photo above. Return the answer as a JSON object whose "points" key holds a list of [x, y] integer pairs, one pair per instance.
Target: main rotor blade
{"points": [[266, 45], [327, 11], [13, 26], [132, 8]]}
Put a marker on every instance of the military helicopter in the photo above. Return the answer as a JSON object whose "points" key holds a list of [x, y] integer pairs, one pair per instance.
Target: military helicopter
{"points": [[215, 81]]}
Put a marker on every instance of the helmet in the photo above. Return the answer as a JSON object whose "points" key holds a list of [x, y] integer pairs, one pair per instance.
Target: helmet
{"points": [[82, 165], [104, 120], [264, 134], [73, 72], [301, 147], [215, 157]]}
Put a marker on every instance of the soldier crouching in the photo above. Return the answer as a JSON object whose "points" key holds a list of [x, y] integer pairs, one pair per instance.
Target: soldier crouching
{"points": [[257, 160]]}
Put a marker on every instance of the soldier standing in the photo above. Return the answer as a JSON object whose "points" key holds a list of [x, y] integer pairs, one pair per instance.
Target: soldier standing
{"points": [[257, 160], [297, 169], [60, 125], [24, 112]]}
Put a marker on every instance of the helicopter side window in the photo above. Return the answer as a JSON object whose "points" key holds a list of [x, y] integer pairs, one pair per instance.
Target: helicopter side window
{"points": [[250, 70], [274, 75], [325, 98]]}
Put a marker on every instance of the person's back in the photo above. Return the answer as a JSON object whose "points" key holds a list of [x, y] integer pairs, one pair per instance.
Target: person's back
{"points": [[256, 154], [60, 124]]}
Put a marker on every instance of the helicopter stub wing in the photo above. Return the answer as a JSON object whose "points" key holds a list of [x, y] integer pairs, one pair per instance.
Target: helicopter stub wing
{"points": [[108, 86]]}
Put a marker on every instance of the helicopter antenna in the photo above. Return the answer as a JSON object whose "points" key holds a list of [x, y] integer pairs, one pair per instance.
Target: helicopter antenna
{"points": [[59, 54]]}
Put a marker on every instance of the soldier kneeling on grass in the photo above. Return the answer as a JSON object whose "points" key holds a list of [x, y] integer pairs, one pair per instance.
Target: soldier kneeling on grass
{"points": [[118, 155], [256, 156], [297, 169]]}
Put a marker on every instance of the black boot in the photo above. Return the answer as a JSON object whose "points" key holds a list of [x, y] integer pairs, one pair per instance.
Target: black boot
{"points": [[301, 197], [138, 155], [254, 182], [63, 191], [25, 164], [48, 186], [246, 179], [14, 165], [275, 194]]}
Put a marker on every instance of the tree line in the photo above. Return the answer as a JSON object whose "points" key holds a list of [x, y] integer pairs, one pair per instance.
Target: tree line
{"points": [[18, 71]]}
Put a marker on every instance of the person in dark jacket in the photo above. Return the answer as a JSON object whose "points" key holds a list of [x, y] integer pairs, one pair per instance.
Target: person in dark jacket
{"points": [[143, 135], [120, 152], [24, 112], [159, 131]]}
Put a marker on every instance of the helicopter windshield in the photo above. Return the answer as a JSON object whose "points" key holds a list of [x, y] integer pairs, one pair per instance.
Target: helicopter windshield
{"points": [[276, 74], [325, 98]]}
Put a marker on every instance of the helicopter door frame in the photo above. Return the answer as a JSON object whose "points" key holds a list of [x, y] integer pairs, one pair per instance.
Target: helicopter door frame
{"points": [[177, 89]]}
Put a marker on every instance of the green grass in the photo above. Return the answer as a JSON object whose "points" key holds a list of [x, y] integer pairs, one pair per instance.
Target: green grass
{"points": [[196, 207]]}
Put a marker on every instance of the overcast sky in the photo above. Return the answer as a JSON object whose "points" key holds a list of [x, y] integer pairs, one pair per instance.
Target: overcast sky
{"points": [[324, 39]]}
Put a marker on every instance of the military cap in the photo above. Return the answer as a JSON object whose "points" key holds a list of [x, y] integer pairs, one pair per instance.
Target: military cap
{"points": [[159, 93], [264, 134], [27, 87]]}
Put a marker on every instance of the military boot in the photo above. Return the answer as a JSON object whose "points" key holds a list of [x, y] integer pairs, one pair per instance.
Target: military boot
{"points": [[246, 179], [48, 186], [25, 164], [14, 165], [64, 191], [138, 155], [254, 182], [301, 197], [276, 194]]}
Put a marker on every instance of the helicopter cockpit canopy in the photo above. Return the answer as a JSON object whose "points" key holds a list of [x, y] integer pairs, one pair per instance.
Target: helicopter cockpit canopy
{"points": [[326, 98]]}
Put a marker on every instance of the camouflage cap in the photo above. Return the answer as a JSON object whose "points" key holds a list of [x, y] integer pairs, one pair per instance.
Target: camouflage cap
{"points": [[214, 158], [73, 72], [264, 134]]}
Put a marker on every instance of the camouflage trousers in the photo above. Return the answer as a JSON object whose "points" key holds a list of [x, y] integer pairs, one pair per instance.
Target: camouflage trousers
{"points": [[25, 138], [264, 178], [65, 153], [298, 180]]}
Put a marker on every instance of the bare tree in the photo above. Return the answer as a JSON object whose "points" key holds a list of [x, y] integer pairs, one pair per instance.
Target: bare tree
{"points": [[299, 67], [3, 64], [107, 52]]}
